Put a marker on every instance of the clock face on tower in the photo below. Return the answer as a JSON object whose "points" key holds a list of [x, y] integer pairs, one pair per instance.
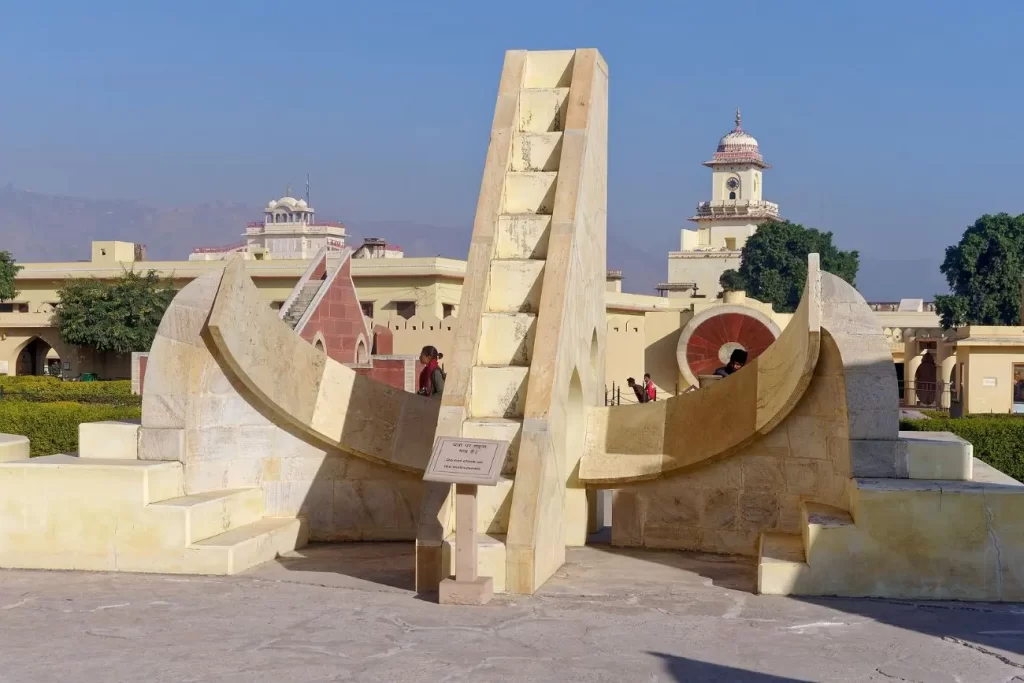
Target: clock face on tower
{"points": [[732, 183]]}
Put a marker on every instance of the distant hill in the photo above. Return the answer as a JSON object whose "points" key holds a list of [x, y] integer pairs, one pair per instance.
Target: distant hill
{"points": [[42, 227]]}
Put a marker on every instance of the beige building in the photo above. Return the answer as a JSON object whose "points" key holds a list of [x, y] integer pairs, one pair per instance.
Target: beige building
{"points": [[403, 288], [413, 297], [725, 223], [989, 372]]}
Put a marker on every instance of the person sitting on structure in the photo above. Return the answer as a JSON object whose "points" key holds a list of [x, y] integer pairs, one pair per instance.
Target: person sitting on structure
{"points": [[641, 394], [736, 361], [432, 376]]}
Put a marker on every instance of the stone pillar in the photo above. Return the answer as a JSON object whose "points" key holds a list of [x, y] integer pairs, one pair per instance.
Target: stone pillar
{"points": [[945, 373], [909, 370]]}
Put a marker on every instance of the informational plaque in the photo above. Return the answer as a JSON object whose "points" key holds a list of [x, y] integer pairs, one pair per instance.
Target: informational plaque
{"points": [[466, 461]]}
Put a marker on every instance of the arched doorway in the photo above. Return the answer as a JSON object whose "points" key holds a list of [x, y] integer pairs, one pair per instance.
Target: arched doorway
{"points": [[37, 358], [924, 380], [575, 509]]}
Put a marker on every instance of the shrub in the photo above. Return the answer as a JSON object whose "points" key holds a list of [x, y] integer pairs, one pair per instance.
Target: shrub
{"points": [[26, 380], [28, 388], [53, 427], [998, 439]]}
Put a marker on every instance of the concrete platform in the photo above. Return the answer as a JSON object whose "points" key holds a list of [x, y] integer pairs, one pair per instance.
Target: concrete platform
{"points": [[347, 613]]}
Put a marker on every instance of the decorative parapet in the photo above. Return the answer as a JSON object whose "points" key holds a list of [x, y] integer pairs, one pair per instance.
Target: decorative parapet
{"points": [[675, 287], [218, 250], [706, 252], [729, 208]]}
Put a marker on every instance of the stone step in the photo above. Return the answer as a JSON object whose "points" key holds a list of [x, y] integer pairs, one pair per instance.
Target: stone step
{"points": [[529, 192], [115, 481], [536, 151], [499, 429], [781, 563], [937, 455], [523, 237], [498, 392], [820, 519], [108, 439], [490, 560], [515, 286], [202, 515], [549, 69], [542, 110], [13, 447], [506, 338], [493, 505], [250, 545]]}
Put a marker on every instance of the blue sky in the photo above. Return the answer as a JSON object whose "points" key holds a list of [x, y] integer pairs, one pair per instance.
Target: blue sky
{"points": [[892, 124]]}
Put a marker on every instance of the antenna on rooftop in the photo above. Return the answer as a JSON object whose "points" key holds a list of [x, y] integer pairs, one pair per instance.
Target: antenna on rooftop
{"points": [[307, 188]]}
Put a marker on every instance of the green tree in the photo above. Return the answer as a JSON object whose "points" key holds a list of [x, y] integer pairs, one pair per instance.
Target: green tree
{"points": [[773, 264], [984, 274], [120, 316], [8, 271]]}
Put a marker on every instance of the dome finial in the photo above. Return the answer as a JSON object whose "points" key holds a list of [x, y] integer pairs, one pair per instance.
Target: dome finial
{"points": [[739, 119]]}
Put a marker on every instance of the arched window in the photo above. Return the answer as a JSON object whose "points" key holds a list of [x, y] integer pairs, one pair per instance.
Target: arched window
{"points": [[732, 195]]}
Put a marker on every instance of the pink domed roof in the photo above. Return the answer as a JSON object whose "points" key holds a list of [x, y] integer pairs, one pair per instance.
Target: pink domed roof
{"points": [[737, 147]]}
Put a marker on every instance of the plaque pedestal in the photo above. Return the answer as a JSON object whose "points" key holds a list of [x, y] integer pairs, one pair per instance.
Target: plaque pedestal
{"points": [[467, 588], [467, 463]]}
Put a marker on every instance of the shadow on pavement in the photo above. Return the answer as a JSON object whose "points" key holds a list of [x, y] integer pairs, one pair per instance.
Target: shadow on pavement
{"points": [[391, 564], [692, 671]]}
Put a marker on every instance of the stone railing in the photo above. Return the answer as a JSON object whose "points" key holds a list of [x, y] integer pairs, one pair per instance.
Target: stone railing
{"points": [[44, 319], [736, 206]]}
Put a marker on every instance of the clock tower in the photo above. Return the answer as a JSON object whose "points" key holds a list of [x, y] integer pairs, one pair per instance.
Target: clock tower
{"points": [[736, 208]]}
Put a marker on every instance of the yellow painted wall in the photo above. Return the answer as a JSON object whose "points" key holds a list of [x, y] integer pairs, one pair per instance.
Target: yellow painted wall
{"points": [[642, 330], [661, 338], [988, 377], [433, 283], [429, 293], [624, 357]]}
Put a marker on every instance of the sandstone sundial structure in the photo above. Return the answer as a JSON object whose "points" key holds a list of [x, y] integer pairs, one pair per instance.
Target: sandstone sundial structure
{"points": [[253, 441]]}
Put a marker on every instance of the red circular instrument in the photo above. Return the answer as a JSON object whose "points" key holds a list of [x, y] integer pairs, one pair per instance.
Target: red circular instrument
{"points": [[709, 339]]}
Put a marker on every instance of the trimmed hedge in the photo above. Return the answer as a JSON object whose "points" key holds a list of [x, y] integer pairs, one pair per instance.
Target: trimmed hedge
{"points": [[53, 427], [49, 389], [998, 439]]}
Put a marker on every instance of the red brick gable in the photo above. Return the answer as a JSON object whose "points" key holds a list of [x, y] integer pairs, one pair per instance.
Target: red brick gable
{"points": [[336, 319]]}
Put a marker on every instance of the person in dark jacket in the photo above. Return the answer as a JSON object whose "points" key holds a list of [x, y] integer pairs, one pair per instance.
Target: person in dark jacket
{"points": [[431, 376], [736, 361], [638, 389]]}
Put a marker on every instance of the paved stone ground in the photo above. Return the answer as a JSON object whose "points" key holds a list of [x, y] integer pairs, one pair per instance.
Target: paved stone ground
{"points": [[346, 613]]}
